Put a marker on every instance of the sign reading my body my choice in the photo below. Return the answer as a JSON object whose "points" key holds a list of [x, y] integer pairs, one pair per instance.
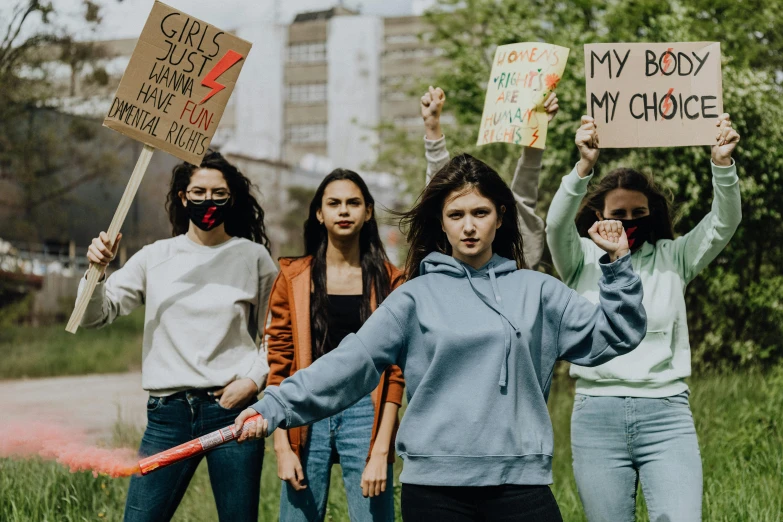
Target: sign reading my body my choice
{"points": [[654, 95], [177, 83]]}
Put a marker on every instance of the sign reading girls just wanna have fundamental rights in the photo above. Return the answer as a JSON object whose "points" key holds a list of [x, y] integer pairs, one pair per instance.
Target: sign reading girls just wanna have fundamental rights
{"points": [[171, 97], [523, 75], [177, 83]]}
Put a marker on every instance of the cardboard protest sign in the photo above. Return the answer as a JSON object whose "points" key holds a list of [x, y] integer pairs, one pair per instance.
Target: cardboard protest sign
{"points": [[523, 75], [177, 83], [171, 97], [654, 94]]}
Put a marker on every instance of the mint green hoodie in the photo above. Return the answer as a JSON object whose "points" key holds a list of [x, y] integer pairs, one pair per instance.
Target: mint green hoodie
{"points": [[658, 367]]}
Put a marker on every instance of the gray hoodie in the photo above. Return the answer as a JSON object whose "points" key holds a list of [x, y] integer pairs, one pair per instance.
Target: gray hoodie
{"points": [[477, 348]]}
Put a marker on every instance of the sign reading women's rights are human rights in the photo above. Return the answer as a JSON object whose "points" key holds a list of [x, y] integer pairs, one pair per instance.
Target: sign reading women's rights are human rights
{"points": [[654, 94], [177, 83], [523, 75]]}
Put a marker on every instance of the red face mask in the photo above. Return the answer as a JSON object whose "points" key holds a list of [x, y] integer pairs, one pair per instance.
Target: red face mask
{"points": [[638, 231]]}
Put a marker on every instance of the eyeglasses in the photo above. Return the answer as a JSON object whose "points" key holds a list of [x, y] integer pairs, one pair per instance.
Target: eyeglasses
{"points": [[220, 197]]}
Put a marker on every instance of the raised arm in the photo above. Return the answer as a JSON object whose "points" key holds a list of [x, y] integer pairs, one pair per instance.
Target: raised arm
{"points": [[434, 141], [122, 292], [524, 186], [336, 380], [589, 334], [696, 249], [566, 246]]}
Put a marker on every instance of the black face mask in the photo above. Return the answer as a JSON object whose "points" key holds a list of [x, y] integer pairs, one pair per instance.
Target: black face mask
{"points": [[206, 215], [638, 231]]}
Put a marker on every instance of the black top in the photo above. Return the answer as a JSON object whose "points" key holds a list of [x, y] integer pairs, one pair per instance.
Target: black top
{"points": [[343, 318]]}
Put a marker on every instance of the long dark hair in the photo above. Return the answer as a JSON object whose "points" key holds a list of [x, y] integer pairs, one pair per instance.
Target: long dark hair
{"points": [[658, 201], [423, 222], [375, 275], [244, 216]]}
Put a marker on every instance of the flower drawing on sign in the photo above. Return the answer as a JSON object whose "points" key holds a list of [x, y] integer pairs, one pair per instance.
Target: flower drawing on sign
{"points": [[551, 81]]}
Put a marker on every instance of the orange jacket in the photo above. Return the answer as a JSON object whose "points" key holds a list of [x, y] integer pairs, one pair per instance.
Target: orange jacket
{"points": [[290, 347]]}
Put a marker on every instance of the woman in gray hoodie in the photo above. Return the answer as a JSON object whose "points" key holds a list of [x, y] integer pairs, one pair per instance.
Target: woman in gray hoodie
{"points": [[477, 338]]}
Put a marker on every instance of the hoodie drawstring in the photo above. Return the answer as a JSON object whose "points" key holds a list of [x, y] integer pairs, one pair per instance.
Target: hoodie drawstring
{"points": [[497, 306]]}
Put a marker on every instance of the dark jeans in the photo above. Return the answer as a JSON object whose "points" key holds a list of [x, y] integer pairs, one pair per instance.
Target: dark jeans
{"points": [[474, 504], [234, 469]]}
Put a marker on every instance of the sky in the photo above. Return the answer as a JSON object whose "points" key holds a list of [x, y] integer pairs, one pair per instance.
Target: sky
{"points": [[125, 18]]}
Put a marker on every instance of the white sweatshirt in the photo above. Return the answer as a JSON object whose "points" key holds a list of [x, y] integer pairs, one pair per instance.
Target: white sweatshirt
{"points": [[205, 311]]}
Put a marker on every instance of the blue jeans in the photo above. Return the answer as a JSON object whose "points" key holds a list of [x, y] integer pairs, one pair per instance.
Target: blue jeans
{"points": [[619, 441], [234, 469], [343, 438]]}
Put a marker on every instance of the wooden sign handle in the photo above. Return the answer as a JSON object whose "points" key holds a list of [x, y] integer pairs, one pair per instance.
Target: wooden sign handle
{"points": [[94, 272]]}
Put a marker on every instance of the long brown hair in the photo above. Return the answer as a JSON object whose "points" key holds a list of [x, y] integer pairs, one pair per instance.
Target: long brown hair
{"points": [[375, 274], [658, 201], [423, 222]]}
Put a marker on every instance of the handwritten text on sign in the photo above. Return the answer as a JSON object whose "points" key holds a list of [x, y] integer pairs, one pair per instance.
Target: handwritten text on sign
{"points": [[177, 83], [523, 75], [654, 95]]}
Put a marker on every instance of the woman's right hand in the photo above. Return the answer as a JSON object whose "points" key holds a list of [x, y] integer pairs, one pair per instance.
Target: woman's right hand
{"points": [[101, 251], [289, 468], [431, 107], [587, 143]]}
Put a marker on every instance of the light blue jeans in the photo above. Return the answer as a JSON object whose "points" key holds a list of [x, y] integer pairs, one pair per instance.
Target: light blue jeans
{"points": [[619, 441], [344, 438]]}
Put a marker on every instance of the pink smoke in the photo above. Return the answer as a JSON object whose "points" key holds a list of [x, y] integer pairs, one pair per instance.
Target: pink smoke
{"points": [[68, 447]]}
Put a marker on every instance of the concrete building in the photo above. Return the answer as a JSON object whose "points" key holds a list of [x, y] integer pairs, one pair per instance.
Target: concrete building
{"points": [[345, 73], [310, 98]]}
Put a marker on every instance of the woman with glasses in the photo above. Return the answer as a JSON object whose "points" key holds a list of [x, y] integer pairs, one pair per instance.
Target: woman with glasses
{"points": [[205, 292]]}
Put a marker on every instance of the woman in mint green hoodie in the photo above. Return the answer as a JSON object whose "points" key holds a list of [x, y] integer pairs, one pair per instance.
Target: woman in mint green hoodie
{"points": [[477, 339], [631, 420]]}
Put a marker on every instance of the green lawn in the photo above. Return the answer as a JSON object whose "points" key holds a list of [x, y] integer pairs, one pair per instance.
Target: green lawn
{"points": [[48, 351], [738, 419]]}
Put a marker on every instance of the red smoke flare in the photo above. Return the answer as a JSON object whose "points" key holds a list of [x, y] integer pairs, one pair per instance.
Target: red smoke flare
{"points": [[68, 447]]}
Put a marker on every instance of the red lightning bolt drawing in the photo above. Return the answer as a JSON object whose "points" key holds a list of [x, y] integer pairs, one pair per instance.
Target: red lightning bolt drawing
{"points": [[535, 138], [208, 219], [667, 60], [628, 234], [667, 103], [225, 63]]}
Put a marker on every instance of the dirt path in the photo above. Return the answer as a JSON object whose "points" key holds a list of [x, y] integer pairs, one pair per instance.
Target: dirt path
{"points": [[93, 402]]}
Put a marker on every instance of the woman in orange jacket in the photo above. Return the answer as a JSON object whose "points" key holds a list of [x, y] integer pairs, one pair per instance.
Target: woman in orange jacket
{"points": [[317, 300]]}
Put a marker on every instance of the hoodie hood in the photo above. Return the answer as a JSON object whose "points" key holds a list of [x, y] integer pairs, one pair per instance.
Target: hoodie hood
{"points": [[438, 263]]}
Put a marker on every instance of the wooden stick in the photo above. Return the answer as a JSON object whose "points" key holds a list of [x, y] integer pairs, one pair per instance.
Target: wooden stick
{"points": [[94, 272]]}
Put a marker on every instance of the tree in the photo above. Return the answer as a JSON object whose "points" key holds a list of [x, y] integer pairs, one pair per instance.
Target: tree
{"points": [[735, 310], [44, 154]]}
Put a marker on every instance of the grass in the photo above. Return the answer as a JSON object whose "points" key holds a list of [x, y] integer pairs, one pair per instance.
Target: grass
{"points": [[737, 416], [49, 351]]}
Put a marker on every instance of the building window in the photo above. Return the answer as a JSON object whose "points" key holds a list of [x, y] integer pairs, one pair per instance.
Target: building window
{"points": [[412, 54], [309, 133], [305, 93], [402, 39], [396, 87], [307, 53], [416, 122], [408, 121]]}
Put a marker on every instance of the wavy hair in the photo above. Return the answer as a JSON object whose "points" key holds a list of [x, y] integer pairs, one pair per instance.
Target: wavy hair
{"points": [[244, 216], [658, 201]]}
